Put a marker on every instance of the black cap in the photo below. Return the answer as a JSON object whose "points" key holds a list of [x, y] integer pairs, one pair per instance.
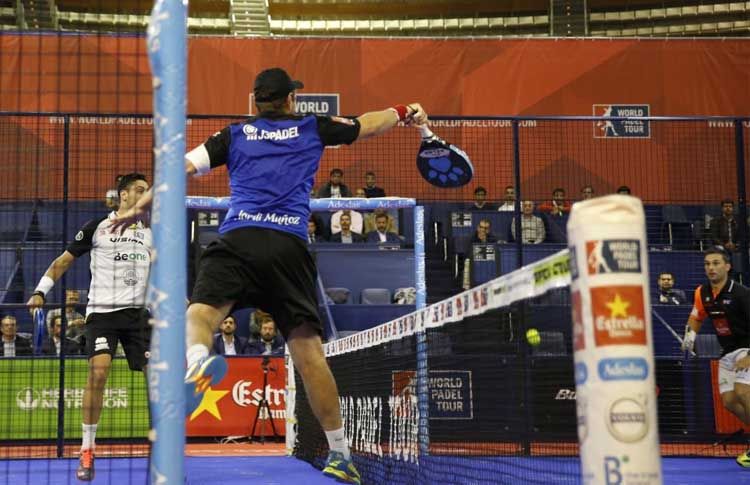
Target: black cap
{"points": [[273, 84]]}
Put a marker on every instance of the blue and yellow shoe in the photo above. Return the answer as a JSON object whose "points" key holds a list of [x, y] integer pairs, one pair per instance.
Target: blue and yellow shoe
{"points": [[341, 469], [744, 459], [207, 372]]}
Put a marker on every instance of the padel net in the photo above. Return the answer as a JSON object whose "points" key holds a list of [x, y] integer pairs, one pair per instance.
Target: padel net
{"points": [[456, 390]]}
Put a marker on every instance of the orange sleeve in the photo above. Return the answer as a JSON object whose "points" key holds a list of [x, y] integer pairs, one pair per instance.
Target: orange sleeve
{"points": [[698, 313]]}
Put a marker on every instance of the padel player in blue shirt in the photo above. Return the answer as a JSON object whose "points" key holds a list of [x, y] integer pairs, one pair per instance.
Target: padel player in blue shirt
{"points": [[261, 259]]}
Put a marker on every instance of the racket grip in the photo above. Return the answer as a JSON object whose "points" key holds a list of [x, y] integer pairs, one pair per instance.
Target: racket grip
{"points": [[426, 132]]}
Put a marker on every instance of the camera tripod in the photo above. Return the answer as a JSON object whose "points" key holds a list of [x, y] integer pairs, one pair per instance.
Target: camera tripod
{"points": [[263, 405]]}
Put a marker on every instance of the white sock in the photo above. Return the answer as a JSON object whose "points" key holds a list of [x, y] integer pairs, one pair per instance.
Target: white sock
{"points": [[195, 353], [337, 442], [89, 437]]}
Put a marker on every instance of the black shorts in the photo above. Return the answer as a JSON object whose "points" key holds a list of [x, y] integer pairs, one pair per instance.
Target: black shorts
{"points": [[128, 326], [261, 268]]}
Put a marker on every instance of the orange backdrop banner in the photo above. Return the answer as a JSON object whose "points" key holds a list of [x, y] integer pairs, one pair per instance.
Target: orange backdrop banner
{"points": [[664, 162], [87, 73]]}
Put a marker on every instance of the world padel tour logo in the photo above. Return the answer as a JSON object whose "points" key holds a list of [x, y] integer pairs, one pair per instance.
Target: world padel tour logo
{"points": [[619, 317], [450, 392], [613, 256], [622, 128]]}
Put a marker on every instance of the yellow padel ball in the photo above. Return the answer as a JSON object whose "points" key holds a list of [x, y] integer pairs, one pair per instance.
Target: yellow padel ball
{"points": [[533, 337]]}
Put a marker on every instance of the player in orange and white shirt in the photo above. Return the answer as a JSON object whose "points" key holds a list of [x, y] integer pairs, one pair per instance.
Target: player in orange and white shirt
{"points": [[727, 304]]}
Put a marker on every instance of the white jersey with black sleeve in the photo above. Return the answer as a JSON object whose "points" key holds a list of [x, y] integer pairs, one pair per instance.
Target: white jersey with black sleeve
{"points": [[120, 264]]}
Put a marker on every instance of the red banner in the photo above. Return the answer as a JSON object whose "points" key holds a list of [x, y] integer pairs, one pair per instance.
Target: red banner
{"points": [[110, 73], [470, 77], [229, 409]]}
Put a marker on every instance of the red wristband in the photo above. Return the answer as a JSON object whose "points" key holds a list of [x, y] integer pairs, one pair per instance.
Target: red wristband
{"points": [[401, 111]]}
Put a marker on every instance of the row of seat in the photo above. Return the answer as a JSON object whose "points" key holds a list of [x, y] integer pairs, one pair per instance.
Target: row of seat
{"points": [[87, 18], [679, 227], [670, 224], [368, 296]]}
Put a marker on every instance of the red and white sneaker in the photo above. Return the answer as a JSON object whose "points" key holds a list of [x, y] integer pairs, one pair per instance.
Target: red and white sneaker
{"points": [[85, 470]]}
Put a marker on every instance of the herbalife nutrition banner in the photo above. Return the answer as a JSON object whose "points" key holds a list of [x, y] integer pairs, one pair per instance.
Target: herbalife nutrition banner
{"points": [[29, 394], [30, 391]]}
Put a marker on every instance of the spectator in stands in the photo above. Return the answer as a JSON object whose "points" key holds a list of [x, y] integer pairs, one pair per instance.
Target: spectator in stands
{"points": [[371, 219], [724, 229], [370, 189], [75, 321], [510, 199], [314, 233], [587, 192], [624, 190], [320, 233], [360, 193], [558, 206], [334, 187], [482, 235], [668, 294], [532, 227], [381, 233], [346, 235], [13, 344], [480, 200], [226, 342], [53, 344], [356, 221], [255, 318], [269, 343]]}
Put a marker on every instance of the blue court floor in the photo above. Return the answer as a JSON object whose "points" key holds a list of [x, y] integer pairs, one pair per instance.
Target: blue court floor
{"points": [[290, 471]]}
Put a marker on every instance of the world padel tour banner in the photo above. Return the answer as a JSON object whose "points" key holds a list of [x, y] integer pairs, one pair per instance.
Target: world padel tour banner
{"points": [[618, 128], [29, 396]]}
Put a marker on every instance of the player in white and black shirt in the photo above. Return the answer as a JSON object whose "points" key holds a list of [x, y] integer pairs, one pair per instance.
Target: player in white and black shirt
{"points": [[120, 264]]}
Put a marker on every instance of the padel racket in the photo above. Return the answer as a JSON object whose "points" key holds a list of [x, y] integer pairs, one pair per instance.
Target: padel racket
{"points": [[671, 330], [442, 164], [40, 330]]}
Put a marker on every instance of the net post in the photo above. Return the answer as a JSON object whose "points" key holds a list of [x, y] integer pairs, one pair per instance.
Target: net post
{"points": [[615, 378], [291, 398], [423, 377], [419, 264], [64, 281], [166, 46]]}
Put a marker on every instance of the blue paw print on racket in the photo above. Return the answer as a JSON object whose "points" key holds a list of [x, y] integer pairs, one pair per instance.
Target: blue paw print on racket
{"points": [[443, 169]]}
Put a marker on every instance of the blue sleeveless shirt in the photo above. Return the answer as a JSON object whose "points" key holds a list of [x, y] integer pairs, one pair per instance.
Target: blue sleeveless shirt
{"points": [[272, 161]]}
